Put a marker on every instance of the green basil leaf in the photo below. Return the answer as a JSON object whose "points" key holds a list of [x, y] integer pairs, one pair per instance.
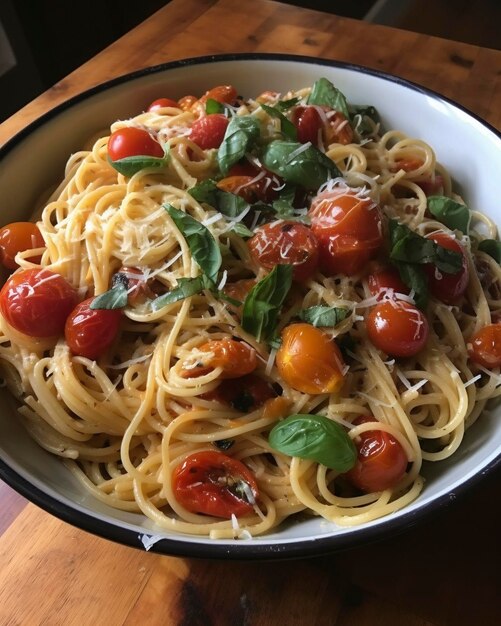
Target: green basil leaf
{"points": [[206, 191], [203, 247], [317, 438], [230, 205], [264, 302], [409, 247], [224, 444], [324, 93], [287, 128], [492, 247], [114, 298], [322, 316], [299, 164], [359, 115], [129, 166], [285, 105], [185, 288], [241, 134], [213, 106], [242, 231], [415, 278], [454, 215]]}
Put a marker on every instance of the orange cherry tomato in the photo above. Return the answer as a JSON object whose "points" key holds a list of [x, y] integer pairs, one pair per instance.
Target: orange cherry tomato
{"points": [[208, 131], [337, 129], [236, 358], [348, 228], [286, 243], [448, 288], [186, 102], [37, 302], [381, 460], [309, 360], [250, 189], [131, 141], [397, 328], [308, 124], [239, 290], [484, 348], [244, 394], [225, 94], [18, 237], [162, 103], [212, 483], [386, 280], [90, 332], [408, 165]]}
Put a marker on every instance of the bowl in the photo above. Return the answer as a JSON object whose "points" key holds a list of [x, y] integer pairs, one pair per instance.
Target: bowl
{"points": [[35, 158]]}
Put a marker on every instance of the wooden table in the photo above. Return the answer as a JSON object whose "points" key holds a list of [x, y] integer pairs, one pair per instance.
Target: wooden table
{"points": [[443, 572]]}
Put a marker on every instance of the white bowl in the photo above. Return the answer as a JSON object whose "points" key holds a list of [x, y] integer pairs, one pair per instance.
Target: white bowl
{"points": [[35, 158]]}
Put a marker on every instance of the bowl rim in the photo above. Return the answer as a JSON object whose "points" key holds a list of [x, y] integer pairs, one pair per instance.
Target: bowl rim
{"points": [[239, 550]]}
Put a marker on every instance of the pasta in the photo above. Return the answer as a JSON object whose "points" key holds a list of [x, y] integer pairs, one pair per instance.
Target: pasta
{"points": [[232, 381]]}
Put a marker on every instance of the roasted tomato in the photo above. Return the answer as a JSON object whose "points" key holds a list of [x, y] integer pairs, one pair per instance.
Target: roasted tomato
{"points": [[385, 281], [131, 141], [236, 358], [212, 483], [308, 124], [137, 287], [381, 460], [349, 230], [37, 302], [250, 188], [309, 360], [18, 237], [244, 394], [90, 332], [225, 94], [448, 288], [397, 328], [484, 348], [186, 102], [208, 131], [239, 290], [163, 103], [290, 243], [337, 129]]}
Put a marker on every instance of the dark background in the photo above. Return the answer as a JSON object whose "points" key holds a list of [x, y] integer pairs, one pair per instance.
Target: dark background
{"points": [[50, 38]]}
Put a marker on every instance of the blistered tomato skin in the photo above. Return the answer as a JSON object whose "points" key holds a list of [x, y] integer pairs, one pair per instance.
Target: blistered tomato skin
{"points": [[448, 288], [18, 237], [308, 124], [309, 360], [386, 282], [131, 141], [36, 302], [484, 348], [162, 103], [236, 358], [90, 332]]}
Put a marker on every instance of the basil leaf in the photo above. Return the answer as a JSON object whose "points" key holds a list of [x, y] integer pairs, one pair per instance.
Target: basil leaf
{"points": [[206, 191], [114, 298], [492, 247], [242, 231], [322, 316], [287, 128], [241, 134], [415, 278], [454, 215], [129, 166], [224, 444], [264, 301], [227, 203], [324, 93], [299, 163], [359, 115], [203, 247], [409, 247], [186, 287], [317, 438], [285, 105], [213, 106]]}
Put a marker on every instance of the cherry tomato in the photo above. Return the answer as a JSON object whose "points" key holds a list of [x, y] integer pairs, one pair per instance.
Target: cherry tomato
{"points": [[17, 237], [448, 288], [213, 483], [381, 460], [250, 189], [239, 290], [309, 360], [348, 228], [137, 288], [432, 186], [37, 302], [484, 347], [397, 328], [236, 358], [384, 280], [186, 102], [226, 94], [337, 129], [308, 124], [408, 164], [90, 332], [131, 141], [289, 243], [244, 394], [208, 131], [162, 103]]}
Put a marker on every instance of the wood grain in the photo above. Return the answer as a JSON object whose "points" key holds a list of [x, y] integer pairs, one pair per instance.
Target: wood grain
{"points": [[443, 572]]}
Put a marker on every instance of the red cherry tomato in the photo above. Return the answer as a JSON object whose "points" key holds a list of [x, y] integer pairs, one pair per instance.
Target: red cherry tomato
{"points": [[244, 394], [484, 347], [386, 280], [348, 228], [137, 287], [286, 243], [397, 328], [213, 483], [248, 188], [309, 360], [208, 131], [162, 103], [236, 358], [37, 302], [17, 237], [381, 460], [308, 124], [448, 288], [131, 141], [90, 332]]}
